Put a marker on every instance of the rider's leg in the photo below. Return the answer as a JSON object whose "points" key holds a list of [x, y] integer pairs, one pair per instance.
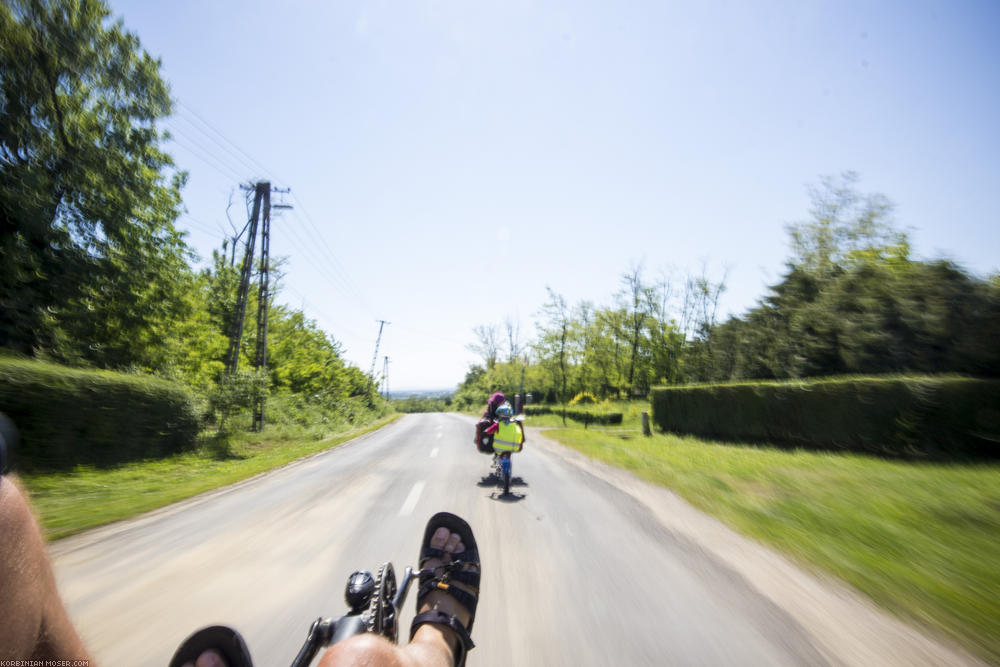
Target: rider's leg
{"points": [[35, 623], [431, 646]]}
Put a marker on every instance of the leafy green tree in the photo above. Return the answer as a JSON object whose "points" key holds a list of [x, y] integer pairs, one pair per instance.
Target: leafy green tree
{"points": [[302, 358], [553, 344], [87, 199], [845, 225], [854, 301]]}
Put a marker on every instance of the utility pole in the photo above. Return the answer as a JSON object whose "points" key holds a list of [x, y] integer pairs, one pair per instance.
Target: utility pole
{"points": [[264, 295], [261, 213], [385, 377], [381, 323], [236, 331]]}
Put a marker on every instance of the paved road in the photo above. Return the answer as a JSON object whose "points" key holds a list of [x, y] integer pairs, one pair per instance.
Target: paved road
{"points": [[582, 565]]}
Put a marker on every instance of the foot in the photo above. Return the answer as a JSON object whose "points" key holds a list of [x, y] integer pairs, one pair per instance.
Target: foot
{"points": [[451, 544], [210, 658]]}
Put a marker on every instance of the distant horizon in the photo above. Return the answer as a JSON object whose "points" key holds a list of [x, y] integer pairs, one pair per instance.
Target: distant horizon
{"points": [[423, 390]]}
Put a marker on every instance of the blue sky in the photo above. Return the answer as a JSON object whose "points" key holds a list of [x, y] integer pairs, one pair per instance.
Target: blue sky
{"points": [[450, 159]]}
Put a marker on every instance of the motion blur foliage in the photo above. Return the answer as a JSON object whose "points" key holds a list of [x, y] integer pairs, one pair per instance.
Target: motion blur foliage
{"points": [[939, 417], [422, 404], [68, 417], [586, 416], [854, 301], [504, 377], [88, 250], [300, 417], [872, 317], [92, 271]]}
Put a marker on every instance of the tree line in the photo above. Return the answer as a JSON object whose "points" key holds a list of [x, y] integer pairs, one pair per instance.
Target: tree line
{"points": [[852, 300], [93, 271]]}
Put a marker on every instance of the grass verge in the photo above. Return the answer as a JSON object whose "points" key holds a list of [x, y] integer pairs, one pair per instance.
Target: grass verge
{"points": [[921, 540], [86, 497]]}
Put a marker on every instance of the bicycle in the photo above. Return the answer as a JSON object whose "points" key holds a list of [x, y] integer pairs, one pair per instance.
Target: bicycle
{"points": [[373, 606], [374, 603], [502, 469]]}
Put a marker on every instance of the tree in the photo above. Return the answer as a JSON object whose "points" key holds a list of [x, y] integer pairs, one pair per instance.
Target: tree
{"points": [[554, 340], [87, 201], [513, 329], [637, 301], [487, 344], [854, 301], [845, 225]]}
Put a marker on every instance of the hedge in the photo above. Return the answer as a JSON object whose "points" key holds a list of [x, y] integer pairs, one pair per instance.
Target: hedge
{"points": [[69, 416], [934, 417], [586, 417]]}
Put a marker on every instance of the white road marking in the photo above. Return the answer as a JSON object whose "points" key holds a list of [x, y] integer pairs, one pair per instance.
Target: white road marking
{"points": [[411, 500], [434, 452]]}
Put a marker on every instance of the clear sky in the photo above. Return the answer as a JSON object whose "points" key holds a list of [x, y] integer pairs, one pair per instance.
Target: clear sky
{"points": [[449, 159]]}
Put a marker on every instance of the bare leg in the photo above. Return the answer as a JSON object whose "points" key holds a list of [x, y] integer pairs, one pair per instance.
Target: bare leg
{"points": [[35, 623], [431, 646]]}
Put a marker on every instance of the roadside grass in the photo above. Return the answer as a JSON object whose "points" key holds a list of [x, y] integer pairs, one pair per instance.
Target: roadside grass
{"points": [[70, 502], [922, 540]]}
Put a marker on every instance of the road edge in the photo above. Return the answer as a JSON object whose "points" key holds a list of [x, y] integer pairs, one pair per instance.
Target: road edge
{"points": [[846, 627], [70, 543]]}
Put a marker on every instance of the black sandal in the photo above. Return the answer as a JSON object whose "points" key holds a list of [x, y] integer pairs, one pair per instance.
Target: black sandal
{"points": [[464, 568], [225, 640]]}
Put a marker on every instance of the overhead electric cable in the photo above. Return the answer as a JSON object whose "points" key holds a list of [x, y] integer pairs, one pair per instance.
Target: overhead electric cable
{"points": [[244, 164], [224, 137]]}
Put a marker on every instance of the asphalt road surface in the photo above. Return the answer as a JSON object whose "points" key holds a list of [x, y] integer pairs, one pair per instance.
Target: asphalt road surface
{"points": [[582, 565]]}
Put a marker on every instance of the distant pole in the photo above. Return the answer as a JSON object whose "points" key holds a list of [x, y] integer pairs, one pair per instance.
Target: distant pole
{"points": [[385, 377], [381, 324]]}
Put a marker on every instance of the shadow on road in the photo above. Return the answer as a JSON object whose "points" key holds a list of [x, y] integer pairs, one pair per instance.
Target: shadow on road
{"points": [[511, 497], [494, 480]]}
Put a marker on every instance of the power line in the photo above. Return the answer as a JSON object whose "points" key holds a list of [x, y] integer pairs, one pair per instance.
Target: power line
{"points": [[325, 267], [212, 162], [332, 259], [239, 159], [224, 137], [332, 321]]}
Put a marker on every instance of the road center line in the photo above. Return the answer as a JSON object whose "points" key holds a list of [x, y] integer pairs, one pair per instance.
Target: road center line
{"points": [[411, 500], [434, 452]]}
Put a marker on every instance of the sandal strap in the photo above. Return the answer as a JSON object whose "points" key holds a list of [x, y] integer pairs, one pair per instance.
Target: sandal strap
{"points": [[430, 552], [465, 598], [470, 578], [438, 617]]}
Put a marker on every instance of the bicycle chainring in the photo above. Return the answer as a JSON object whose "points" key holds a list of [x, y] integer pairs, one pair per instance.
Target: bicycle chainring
{"points": [[381, 612]]}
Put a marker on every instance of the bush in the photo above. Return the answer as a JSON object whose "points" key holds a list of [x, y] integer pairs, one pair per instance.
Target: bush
{"points": [[584, 398], [583, 416], [240, 391], [68, 416], [935, 417]]}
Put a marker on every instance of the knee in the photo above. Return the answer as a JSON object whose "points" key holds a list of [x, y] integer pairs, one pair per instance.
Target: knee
{"points": [[363, 651]]}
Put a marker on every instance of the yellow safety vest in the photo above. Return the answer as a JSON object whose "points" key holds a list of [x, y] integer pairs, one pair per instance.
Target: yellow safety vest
{"points": [[508, 437]]}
